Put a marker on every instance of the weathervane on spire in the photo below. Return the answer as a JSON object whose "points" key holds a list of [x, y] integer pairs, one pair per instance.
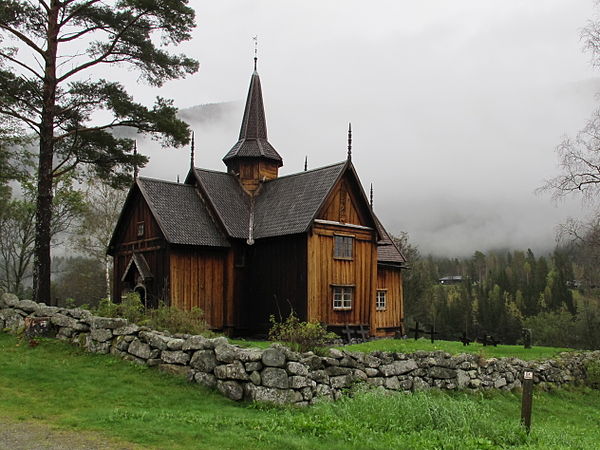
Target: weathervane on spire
{"points": [[255, 39], [192, 147], [349, 141]]}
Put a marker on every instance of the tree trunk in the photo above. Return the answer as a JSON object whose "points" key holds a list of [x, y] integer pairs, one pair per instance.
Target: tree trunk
{"points": [[107, 275], [41, 270]]}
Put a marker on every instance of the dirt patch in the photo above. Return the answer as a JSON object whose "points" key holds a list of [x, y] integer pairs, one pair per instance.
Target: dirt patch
{"points": [[39, 436]]}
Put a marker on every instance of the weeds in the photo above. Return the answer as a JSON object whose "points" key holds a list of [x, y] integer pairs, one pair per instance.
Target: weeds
{"points": [[300, 336]]}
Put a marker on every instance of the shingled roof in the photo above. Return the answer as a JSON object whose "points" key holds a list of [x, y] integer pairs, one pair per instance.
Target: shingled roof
{"points": [[253, 141], [387, 251], [287, 205], [181, 215]]}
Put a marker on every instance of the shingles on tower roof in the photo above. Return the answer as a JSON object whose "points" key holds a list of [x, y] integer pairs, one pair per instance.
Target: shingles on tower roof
{"points": [[253, 141]]}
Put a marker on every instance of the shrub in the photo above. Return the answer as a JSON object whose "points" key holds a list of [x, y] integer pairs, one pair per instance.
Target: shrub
{"points": [[592, 369], [300, 336], [130, 308], [176, 320]]}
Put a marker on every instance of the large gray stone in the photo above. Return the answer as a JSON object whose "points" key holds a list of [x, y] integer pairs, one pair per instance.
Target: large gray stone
{"points": [[9, 300], [131, 328], [272, 395], [27, 305], [275, 377], [233, 371], [341, 381], [206, 379], [94, 346], [398, 367], [204, 360], [63, 321], [462, 379], [273, 357], [196, 343], [155, 340], [231, 389], [298, 382], [107, 322], [250, 354], [442, 373], [226, 353], [175, 357], [101, 334], [253, 366], [175, 344], [295, 368], [392, 383], [140, 349]]}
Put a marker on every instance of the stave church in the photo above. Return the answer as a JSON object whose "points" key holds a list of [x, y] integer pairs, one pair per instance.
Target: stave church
{"points": [[244, 243]]}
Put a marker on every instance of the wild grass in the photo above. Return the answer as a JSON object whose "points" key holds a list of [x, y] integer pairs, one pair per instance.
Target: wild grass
{"points": [[67, 388]]}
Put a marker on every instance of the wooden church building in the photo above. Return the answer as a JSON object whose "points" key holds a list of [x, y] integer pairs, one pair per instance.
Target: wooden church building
{"points": [[245, 243]]}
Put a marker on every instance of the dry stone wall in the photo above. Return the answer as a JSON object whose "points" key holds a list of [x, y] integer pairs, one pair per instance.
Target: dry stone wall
{"points": [[277, 374]]}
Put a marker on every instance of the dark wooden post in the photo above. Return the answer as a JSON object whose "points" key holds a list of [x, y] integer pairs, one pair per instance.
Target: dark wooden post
{"points": [[527, 400]]}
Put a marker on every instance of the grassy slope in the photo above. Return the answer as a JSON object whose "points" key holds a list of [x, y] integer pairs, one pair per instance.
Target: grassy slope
{"points": [[61, 385]]}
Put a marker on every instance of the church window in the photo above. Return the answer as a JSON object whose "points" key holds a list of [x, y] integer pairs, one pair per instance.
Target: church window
{"points": [[140, 229], [342, 246], [381, 300], [342, 297]]}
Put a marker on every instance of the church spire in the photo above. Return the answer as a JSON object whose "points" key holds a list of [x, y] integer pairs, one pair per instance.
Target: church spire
{"points": [[192, 149], [349, 141], [253, 154]]}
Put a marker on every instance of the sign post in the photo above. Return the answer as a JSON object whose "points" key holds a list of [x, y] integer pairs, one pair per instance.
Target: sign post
{"points": [[527, 400]]}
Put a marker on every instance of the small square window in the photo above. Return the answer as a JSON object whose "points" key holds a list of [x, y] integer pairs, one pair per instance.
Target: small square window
{"points": [[342, 246], [381, 300], [342, 297], [140, 229]]}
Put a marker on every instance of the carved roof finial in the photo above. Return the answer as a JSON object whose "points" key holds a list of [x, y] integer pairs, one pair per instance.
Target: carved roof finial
{"points": [[177, 178], [135, 166], [349, 141], [371, 196], [192, 148], [255, 39], [306, 163]]}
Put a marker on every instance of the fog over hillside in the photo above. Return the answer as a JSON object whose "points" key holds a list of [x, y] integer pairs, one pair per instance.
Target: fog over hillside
{"points": [[456, 107]]}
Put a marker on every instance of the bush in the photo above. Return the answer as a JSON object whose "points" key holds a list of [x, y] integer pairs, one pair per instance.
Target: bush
{"points": [[176, 320], [300, 336], [592, 369], [130, 308]]}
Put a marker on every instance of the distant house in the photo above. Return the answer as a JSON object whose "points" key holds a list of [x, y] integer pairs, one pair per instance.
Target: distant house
{"points": [[245, 243], [451, 279]]}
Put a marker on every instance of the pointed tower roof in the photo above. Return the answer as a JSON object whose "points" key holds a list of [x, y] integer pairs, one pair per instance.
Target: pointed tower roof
{"points": [[253, 141]]}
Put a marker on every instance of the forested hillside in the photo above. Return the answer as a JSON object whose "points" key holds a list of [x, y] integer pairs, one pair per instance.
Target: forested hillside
{"points": [[501, 292]]}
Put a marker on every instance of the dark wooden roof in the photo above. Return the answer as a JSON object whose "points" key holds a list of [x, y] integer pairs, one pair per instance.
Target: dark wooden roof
{"points": [[387, 251], [180, 213], [253, 141]]}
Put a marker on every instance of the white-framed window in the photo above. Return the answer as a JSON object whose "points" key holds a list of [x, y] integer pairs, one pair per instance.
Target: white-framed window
{"points": [[342, 246], [381, 300], [342, 297]]}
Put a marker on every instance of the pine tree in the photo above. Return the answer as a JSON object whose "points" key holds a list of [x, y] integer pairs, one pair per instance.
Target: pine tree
{"points": [[47, 87]]}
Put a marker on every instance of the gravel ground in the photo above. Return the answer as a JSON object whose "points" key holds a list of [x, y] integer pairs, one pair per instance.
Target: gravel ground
{"points": [[34, 436]]}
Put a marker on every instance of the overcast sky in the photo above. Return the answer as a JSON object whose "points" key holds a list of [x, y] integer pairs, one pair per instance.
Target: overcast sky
{"points": [[456, 107]]}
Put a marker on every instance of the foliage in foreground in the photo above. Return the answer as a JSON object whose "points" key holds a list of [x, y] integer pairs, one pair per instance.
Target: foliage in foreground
{"points": [[169, 318], [300, 336], [56, 383]]}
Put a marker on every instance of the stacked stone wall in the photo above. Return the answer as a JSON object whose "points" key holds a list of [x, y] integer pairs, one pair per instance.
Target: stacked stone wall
{"points": [[279, 375]]}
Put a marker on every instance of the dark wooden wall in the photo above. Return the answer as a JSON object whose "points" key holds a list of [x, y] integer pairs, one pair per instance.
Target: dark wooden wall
{"points": [[151, 245], [274, 282]]}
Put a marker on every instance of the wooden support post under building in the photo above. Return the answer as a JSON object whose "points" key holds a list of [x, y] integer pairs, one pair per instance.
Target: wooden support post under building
{"points": [[527, 400]]}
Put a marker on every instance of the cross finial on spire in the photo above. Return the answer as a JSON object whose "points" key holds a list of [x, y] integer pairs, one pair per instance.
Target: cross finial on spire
{"points": [[371, 196], [177, 178], [349, 141], [192, 148], [255, 39], [306, 163], [135, 166]]}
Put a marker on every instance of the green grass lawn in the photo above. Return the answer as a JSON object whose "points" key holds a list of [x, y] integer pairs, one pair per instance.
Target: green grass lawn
{"points": [[452, 347], [60, 385]]}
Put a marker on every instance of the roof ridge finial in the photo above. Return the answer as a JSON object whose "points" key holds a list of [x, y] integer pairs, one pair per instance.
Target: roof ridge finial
{"points": [[349, 141], [192, 148], [255, 39], [135, 166], [306, 163], [371, 196]]}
